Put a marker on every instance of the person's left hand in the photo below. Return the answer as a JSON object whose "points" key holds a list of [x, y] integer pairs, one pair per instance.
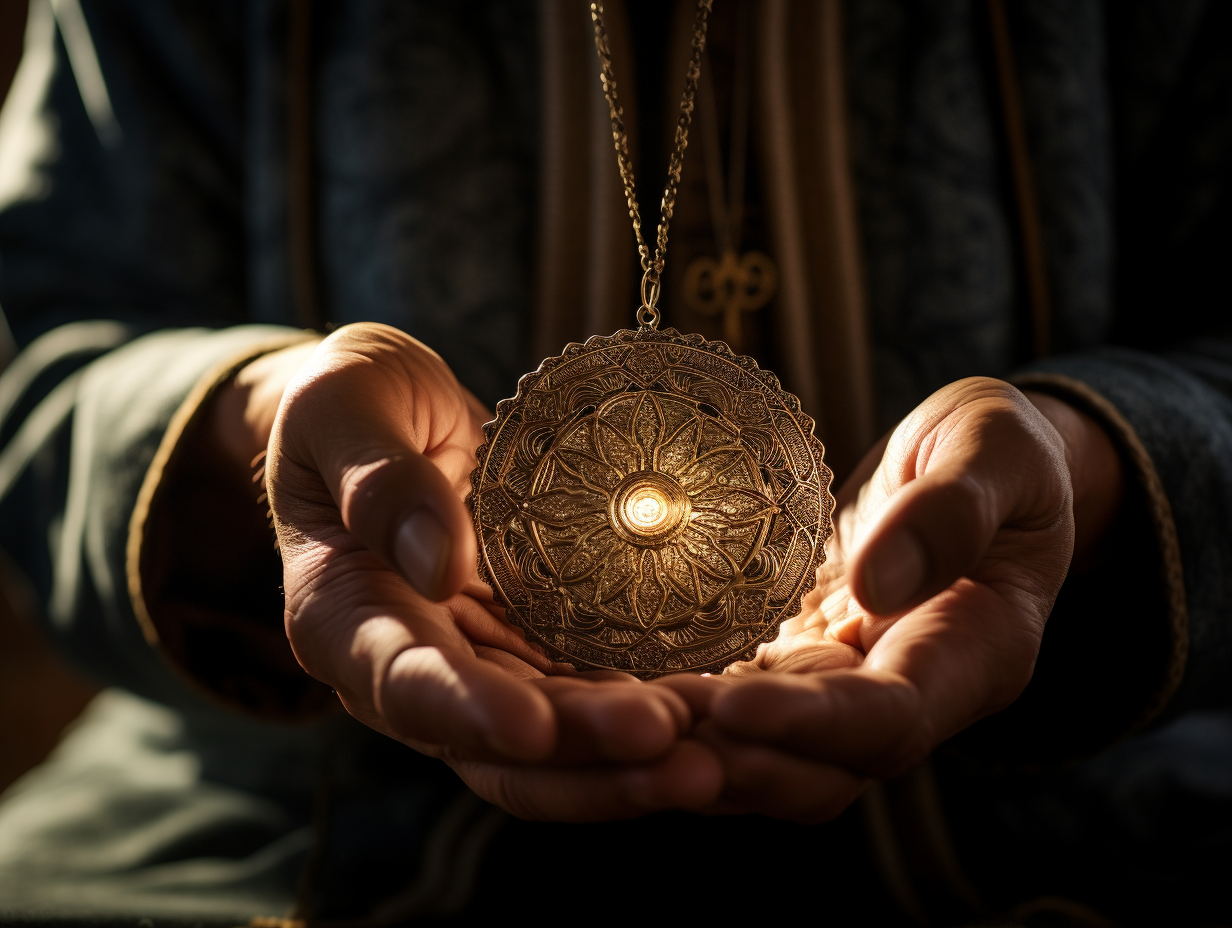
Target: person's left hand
{"points": [[952, 541]]}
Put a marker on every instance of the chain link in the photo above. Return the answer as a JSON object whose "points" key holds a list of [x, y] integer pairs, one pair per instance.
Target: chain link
{"points": [[652, 268]]}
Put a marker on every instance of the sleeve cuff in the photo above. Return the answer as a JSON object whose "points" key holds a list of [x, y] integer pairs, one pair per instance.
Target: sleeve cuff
{"points": [[203, 573], [182, 421], [1140, 471]]}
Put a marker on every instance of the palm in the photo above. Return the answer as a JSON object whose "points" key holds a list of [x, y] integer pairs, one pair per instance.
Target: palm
{"points": [[987, 619]]}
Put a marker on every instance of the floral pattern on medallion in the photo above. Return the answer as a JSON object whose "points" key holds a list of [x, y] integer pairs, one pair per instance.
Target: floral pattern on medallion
{"points": [[670, 583]]}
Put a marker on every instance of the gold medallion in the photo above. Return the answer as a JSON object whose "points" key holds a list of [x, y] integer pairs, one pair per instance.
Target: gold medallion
{"points": [[650, 502]]}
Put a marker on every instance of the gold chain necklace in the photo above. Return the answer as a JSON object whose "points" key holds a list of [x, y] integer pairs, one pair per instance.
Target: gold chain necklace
{"points": [[649, 501], [652, 268]]}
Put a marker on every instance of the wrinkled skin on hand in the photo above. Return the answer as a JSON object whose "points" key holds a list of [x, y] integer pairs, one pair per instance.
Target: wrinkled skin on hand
{"points": [[952, 541], [368, 467]]}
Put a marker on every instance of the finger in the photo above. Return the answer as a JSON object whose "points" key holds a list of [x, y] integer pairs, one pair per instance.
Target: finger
{"points": [[867, 721], [697, 690], [376, 415], [812, 651], [485, 630], [689, 777], [399, 663], [510, 663], [450, 698], [625, 721], [770, 782]]}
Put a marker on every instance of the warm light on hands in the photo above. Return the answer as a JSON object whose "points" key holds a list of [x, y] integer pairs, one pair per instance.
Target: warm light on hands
{"points": [[952, 541]]}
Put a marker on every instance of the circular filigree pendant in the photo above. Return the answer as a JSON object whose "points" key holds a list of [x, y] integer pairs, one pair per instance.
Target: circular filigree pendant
{"points": [[650, 502]]}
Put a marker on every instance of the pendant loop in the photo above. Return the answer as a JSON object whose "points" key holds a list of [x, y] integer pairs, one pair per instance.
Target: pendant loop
{"points": [[648, 312]]}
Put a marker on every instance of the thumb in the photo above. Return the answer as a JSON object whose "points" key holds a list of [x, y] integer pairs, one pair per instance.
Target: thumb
{"points": [[992, 467], [375, 416], [934, 531], [401, 506]]}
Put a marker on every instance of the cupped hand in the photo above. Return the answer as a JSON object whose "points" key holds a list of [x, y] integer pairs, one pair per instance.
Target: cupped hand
{"points": [[367, 470], [952, 541]]}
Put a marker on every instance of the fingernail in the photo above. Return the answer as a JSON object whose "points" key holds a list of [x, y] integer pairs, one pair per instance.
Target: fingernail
{"points": [[895, 571], [422, 550]]}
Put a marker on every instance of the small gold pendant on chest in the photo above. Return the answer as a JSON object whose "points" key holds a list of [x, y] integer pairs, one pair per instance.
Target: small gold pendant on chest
{"points": [[730, 287]]}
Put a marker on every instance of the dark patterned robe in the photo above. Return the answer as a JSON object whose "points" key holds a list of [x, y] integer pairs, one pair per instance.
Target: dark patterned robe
{"points": [[153, 238]]}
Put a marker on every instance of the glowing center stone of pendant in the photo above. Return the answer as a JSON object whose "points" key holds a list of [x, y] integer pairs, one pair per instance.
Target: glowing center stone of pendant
{"points": [[648, 507]]}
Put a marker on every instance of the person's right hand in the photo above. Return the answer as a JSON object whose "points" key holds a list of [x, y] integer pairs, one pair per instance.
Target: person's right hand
{"points": [[952, 540], [368, 465]]}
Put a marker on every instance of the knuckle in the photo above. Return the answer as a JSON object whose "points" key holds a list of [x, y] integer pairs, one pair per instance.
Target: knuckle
{"points": [[991, 393]]}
